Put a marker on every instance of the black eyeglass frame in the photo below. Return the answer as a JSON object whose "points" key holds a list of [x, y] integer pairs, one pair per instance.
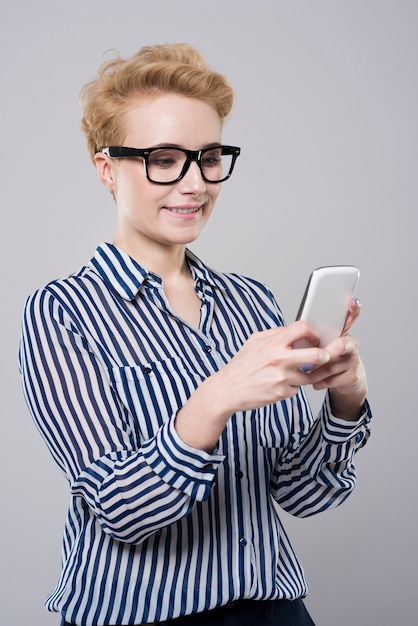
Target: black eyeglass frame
{"points": [[122, 152]]}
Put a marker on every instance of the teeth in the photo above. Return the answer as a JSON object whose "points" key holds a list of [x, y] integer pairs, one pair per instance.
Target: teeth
{"points": [[185, 211]]}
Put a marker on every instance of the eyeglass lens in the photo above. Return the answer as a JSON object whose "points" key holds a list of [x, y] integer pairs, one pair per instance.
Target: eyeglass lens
{"points": [[166, 165]]}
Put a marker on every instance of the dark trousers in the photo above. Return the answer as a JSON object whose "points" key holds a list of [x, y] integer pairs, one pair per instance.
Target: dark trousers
{"points": [[250, 613], [247, 613]]}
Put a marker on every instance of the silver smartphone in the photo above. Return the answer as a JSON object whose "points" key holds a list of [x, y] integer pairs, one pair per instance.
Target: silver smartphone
{"points": [[326, 301]]}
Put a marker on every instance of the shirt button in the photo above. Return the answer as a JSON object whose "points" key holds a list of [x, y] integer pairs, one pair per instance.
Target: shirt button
{"points": [[146, 370], [239, 474], [207, 349], [243, 542]]}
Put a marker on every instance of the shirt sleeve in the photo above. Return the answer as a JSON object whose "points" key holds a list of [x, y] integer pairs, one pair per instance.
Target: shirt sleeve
{"points": [[317, 472], [134, 491]]}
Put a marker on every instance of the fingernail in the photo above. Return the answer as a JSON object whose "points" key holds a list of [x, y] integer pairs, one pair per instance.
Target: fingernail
{"points": [[307, 368], [357, 301]]}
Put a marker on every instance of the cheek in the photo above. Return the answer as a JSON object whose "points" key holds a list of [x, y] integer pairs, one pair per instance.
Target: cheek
{"points": [[214, 192], [132, 190]]}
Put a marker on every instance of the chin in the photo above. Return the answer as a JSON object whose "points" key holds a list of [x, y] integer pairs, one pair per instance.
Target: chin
{"points": [[186, 237]]}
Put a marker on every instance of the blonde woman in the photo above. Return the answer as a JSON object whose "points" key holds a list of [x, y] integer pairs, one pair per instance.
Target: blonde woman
{"points": [[169, 393]]}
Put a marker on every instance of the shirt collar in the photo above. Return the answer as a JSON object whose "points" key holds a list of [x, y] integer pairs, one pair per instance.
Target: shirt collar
{"points": [[123, 274]]}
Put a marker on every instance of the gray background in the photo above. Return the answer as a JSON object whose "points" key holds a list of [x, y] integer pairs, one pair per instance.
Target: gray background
{"points": [[326, 114]]}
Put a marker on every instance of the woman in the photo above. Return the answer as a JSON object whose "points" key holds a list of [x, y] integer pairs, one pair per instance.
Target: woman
{"points": [[169, 393]]}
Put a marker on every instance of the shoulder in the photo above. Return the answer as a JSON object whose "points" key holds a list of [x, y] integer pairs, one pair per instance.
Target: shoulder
{"points": [[250, 291], [64, 294], [64, 284], [224, 280], [232, 280]]}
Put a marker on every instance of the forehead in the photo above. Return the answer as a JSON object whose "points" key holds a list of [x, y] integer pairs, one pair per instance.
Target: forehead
{"points": [[172, 119]]}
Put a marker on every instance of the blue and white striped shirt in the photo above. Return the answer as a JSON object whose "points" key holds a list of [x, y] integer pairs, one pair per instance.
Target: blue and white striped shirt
{"points": [[156, 528]]}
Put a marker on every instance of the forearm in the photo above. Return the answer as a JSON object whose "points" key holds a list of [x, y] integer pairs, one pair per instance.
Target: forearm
{"points": [[201, 421]]}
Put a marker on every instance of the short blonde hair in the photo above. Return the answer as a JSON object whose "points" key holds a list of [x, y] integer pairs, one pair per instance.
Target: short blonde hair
{"points": [[165, 68]]}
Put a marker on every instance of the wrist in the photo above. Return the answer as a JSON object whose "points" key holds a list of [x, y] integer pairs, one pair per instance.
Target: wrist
{"points": [[349, 408], [201, 421]]}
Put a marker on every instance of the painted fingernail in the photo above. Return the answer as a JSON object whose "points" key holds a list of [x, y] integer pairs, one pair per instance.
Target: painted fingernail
{"points": [[357, 301], [307, 368]]}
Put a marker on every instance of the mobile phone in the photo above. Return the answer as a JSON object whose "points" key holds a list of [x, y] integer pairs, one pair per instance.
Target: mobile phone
{"points": [[326, 301]]}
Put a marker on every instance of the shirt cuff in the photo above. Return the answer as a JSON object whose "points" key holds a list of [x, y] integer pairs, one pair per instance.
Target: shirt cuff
{"points": [[337, 430], [183, 467]]}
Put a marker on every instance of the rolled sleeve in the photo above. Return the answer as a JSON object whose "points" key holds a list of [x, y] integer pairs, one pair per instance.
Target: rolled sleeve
{"points": [[183, 467], [337, 430]]}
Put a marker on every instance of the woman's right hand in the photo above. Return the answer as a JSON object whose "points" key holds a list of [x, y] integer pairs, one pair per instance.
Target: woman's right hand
{"points": [[265, 370]]}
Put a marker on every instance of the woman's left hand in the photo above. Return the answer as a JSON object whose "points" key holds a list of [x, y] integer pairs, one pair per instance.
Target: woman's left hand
{"points": [[344, 374]]}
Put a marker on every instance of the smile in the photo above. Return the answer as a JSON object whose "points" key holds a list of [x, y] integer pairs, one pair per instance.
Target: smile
{"points": [[184, 211]]}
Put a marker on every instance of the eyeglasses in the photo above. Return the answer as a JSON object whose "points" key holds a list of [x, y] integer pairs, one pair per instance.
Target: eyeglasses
{"points": [[166, 165]]}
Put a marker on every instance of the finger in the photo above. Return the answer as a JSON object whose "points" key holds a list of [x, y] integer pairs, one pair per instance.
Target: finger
{"points": [[344, 359], [353, 313], [307, 360], [342, 347], [340, 377], [302, 331]]}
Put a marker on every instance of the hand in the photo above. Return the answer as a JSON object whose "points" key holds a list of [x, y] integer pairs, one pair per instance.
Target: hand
{"points": [[344, 374], [265, 370]]}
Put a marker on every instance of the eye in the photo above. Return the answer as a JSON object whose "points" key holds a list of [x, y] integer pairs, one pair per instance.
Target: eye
{"points": [[165, 159], [211, 158]]}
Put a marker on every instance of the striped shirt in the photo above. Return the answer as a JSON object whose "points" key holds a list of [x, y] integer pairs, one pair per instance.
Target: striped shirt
{"points": [[156, 528]]}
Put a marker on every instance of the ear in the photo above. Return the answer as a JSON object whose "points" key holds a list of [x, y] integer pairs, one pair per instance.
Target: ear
{"points": [[105, 169]]}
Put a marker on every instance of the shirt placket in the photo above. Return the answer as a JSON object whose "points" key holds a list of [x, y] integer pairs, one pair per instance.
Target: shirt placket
{"points": [[243, 550], [244, 579]]}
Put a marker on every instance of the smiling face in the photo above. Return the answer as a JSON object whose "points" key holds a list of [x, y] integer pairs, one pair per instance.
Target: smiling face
{"points": [[155, 217]]}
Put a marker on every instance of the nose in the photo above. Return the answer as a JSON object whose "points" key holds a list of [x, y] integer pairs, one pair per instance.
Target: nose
{"points": [[192, 181]]}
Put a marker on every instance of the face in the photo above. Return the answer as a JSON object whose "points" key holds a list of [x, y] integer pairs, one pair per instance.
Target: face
{"points": [[154, 216]]}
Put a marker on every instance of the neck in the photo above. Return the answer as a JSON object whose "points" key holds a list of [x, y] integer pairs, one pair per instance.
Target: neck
{"points": [[168, 262]]}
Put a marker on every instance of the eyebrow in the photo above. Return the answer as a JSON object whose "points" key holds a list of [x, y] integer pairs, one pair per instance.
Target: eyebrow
{"points": [[215, 144]]}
